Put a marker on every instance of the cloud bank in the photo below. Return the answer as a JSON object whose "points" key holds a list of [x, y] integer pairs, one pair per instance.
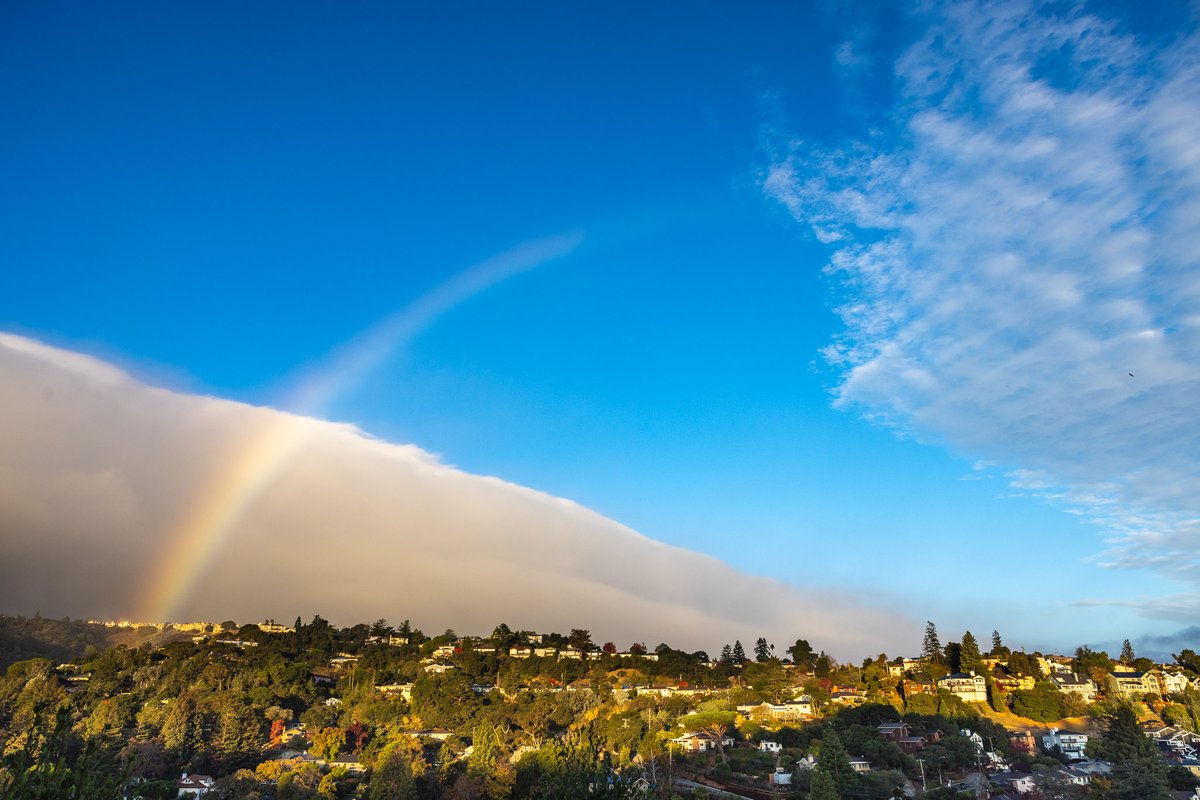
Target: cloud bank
{"points": [[1018, 261], [96, 469]]}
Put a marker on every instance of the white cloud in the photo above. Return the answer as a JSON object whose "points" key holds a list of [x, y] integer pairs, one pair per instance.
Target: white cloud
{"points": [[1020, 241], [96, 470]]}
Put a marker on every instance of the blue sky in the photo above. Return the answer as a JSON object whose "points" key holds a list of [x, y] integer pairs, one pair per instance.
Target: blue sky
{"points": [[217, 198]]}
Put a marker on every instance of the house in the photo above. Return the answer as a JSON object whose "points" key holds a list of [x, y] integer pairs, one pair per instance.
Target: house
{"points": [[271, 626], [1070, 776], [1015, 683], [970, 688], [1022, 742], [1070, 743], [572, 653], [1128, 683], [799, 709], [1070, 683], [1173, 682], [1180, 743], [441, 734], [975, 738], [913, 687], [545, 652], [701, 742], [1021, 784], [445, 651], [520, 651], [350, 763], [775, 748], [402, 689], [859, 764], [781, 777], [191, 786], [911, 744], [893, 730], [291, 730], [438, 668], [847, 696]]}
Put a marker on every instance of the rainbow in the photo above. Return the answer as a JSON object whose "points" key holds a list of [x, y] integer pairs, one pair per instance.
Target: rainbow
{"points": [[206, 524]]}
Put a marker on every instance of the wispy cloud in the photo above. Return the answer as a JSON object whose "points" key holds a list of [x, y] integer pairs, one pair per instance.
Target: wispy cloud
{"points": [[95, 468], [1019, 263]]}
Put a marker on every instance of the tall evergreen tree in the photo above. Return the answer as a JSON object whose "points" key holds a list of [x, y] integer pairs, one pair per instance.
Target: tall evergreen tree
{"points": [[823, 786], [997, 642], [835, 762], [931, 648], [762, 650], [952, 655], [969, 657], [739, 652], [727, 654], [1138, 772], [1127, 656]]}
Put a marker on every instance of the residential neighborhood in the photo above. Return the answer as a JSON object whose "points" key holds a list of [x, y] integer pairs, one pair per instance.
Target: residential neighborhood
{"points": [[997, 724]]}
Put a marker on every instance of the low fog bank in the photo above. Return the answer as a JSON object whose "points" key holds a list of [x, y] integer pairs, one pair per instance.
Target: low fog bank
{"points": [[100, 474]]}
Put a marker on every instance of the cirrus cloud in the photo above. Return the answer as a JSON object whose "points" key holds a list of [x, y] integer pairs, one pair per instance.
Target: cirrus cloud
{"points": [[1017, 257]]}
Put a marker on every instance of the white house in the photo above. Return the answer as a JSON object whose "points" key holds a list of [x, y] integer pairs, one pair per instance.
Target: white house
{"points": [[1070, 683], [191, 786], [774, 748], [799, 709], [970, 688], [701, 742], [1071, 743]]}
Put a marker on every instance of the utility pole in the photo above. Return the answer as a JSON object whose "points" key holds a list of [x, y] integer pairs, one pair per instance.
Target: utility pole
{"points": [[921, 761]]}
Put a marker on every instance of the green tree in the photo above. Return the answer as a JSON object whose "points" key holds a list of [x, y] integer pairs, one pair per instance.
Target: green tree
{"points": [[54, 765], [835, 762], [969, 657], [183, 727], [327, 743], [580, 639], [769, 679], [1138, 773], [393, 777], [739, 653], [487, 765], [952, 653], [997, 698], [997, 642], [802, 654], [823, 786], [1127, 656], [762, 651], [1189, 660], [931, 646], [1042, 703]]}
